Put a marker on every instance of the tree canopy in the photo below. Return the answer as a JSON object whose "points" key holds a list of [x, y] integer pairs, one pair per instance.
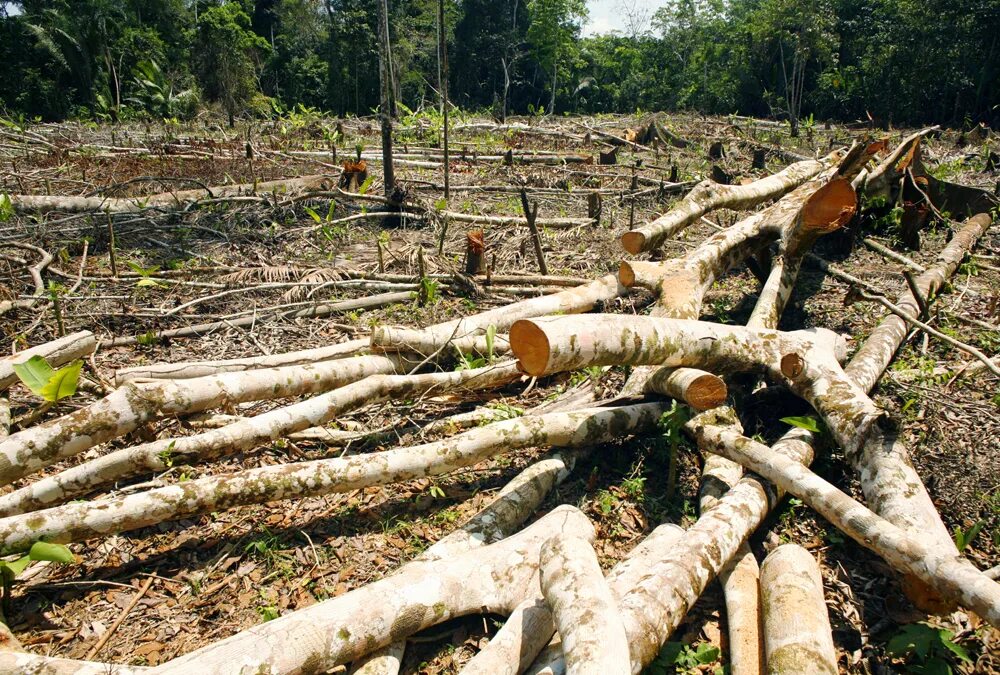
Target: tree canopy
{"points": [[899, 61]]}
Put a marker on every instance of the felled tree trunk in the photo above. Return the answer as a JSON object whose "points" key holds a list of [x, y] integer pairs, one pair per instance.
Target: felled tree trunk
{"points": [[56, 353], [797, 635], [495, 578], [514, 504], [517, 642], [78, 521], [34, 664], [584, 611], [242, 435], [132, 405], [165, 200], [708, 195], [563, 343], [426, 341], [938, 566]]}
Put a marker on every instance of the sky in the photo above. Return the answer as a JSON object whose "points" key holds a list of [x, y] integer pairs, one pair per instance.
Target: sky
{"points": [[606, 15]]}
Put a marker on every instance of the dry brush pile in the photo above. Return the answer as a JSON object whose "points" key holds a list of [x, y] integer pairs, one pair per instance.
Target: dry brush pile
{"points": [[138, 455]]}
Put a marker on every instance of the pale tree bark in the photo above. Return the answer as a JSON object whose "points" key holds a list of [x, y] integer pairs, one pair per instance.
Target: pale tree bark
{"points": [[517, 643], [244, 434], [678, 575], [583, 608], [940, 567], [708, 196], [33, 664], [495, 578], [798, 639], [132, 405], [165, 200], [514, 504], [680, 285], [79, 521], [56, 353], [563, 343], [426, 341]]}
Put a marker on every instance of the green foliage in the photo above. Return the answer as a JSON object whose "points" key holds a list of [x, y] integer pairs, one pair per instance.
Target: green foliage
{"points": [[155, 93], [39, 551], [6, 208], [43, 381], [677, 657], [807, 422], [963, 538], [927, 650]]}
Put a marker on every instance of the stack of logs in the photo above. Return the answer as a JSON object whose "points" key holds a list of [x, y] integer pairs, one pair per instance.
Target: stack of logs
{"points": [[565, 614]]}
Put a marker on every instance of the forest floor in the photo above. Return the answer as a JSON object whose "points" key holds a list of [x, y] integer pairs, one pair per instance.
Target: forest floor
{"points": [[215, 575]]}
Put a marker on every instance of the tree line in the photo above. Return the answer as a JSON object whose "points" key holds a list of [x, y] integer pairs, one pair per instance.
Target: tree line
{"points": [[895, 61]]}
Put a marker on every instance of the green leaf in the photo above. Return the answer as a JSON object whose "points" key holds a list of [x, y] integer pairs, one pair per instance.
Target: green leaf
{"points": [[441, 204], [312, 214], [706, 653], [366, 185], [14, 568], [146, 283], [35, 373], [491, 334], [914, 638], [62, 383], [329, 211], [43, 550], [952, 646], [805, 422], [6, 208]]}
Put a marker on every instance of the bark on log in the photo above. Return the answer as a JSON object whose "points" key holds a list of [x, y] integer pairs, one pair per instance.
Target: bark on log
{"points": [[514, 504], [513, 643], [161, 454], [132, 405], [581, 298], [57, 353], [797, 636], [33, 664], [495, 578], [912, 553], [501, 221], [583, 608], [434, 338], [164, 200], [563, 343], [708, 195], [78, 521], [192, 369]]}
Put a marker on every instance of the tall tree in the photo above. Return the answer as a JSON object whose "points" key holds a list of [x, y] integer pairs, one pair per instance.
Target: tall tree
{"points": [[229, 54], [553, 33]]}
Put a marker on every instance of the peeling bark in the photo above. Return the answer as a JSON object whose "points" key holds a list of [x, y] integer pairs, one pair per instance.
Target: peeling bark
{"points": [[797, 636]]}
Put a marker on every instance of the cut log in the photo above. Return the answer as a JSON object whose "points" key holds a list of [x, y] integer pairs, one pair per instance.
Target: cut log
{"points": [[33, 664], [132, 405], [912, 553], [56, 353], [79, 521], [248, 432], [564, 343], [797, 634], [583, 608], [165, 200], [514, 504], [495, 578], [708, 195]]}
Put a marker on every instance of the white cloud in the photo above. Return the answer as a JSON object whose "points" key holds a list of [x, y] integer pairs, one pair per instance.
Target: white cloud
{"points": [[607, 15]]}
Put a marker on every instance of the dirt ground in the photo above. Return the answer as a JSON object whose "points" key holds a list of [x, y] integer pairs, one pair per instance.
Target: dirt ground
{"points": [[215, 575]]}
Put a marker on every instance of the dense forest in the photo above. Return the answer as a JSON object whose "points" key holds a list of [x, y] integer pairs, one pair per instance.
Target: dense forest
{"points": [[897, 61]]}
